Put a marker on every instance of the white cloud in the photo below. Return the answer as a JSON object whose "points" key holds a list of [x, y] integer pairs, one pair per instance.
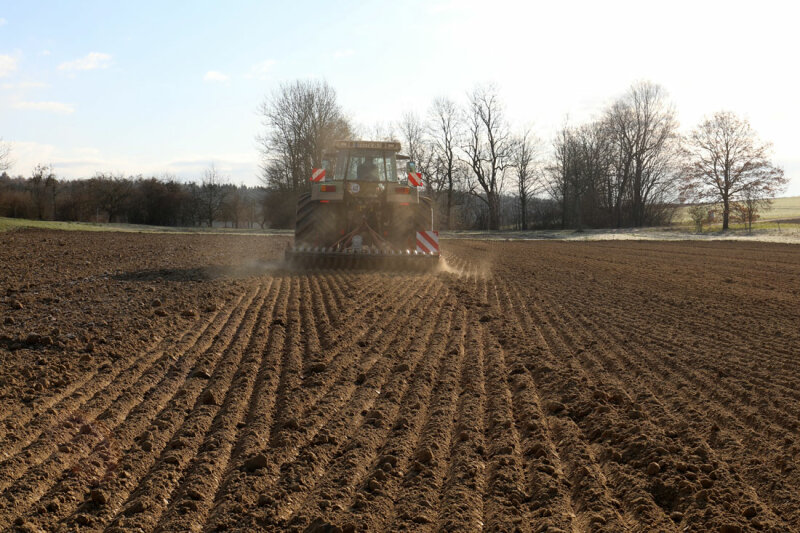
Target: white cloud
{"points": [[442, 7], [94, 60], [338, 54], [3, 21], [8, 65], [214, 76], [50, 107], [24, 85], [74, 162], [45, 52], [86, 161], [261, 70]]}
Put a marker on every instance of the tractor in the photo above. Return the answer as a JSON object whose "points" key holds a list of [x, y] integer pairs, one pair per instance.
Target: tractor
{"points": [[365, 212]]}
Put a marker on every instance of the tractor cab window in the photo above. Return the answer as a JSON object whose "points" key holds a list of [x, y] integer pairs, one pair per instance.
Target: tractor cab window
{"points": [[330, 171], [368, 166]]}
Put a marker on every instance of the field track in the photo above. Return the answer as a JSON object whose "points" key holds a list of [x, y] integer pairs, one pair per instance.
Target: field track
{"points": [[186, 382]]}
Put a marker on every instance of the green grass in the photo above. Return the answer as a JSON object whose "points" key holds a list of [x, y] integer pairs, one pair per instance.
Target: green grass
{"points": [[20, 223], [7, 224]]}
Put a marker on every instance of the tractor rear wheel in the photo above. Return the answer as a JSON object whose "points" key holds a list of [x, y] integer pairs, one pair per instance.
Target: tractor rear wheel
{"points": [[315, 224]]}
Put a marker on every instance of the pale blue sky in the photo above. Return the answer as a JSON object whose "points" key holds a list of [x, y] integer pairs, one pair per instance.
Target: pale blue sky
{"points": [[153, 87]]}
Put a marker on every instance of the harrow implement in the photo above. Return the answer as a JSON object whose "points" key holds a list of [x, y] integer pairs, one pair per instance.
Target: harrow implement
{"points": [[323, 259]]}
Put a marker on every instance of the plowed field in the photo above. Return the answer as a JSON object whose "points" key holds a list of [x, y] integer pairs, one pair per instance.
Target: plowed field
{"points": [[185, 382]]}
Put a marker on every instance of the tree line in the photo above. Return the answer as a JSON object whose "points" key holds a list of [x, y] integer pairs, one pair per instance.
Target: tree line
{"points": [[157, 201], [630, 166]]}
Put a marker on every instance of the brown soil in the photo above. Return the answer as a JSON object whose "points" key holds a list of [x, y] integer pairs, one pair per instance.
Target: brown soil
{"points": [[186, 382]]}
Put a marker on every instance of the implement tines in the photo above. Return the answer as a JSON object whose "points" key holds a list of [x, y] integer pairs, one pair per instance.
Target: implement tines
{"points": [[349, 260]]}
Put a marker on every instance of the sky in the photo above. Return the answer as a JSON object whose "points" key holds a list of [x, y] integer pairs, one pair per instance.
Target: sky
{"points": [[170, 87]]}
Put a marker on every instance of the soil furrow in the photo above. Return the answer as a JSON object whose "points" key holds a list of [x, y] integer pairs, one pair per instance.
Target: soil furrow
{"points": [[42, 436], [188, 511], [724, 443], [346, 473], [590, 498], [104, 437], [258, 420], [104, 450], [505, 476], [324, 422], [643, 401], [184, 383], [219, 405], [461, 503], [548, 498], [414, 500], [161, 444]]}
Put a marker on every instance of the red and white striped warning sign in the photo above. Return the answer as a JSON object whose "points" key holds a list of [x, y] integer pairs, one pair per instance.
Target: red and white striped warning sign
{"points": [[428, 242], [318, 174], [415, 179]]}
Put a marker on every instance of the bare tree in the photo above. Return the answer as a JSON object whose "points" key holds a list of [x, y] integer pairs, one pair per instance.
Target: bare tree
{"points": [[413, 136], [41, 177], [5, 155], [379, 131], [644, 127], [238, 207], [559, 170], [579, 168], [301, 119], [51, 182], [698, 213], [621, 123], [211, 194], [727, 161], [526, 167], [751, 202], [488, 148], [444, 132], [591, 165], [111, 193]]}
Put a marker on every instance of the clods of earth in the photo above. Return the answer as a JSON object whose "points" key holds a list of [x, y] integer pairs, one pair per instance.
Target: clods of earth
{"points": [[190, 382]]}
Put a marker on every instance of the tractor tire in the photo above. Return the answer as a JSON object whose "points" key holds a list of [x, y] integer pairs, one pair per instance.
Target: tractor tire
{"points": [[303, 219], [316, 223]]}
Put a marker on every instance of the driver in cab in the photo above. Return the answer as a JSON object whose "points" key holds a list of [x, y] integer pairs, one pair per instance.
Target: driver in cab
{"points": [[367, 171]]}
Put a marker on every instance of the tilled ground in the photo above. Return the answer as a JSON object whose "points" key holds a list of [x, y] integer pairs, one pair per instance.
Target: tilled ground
{"points": [[185, 382]]}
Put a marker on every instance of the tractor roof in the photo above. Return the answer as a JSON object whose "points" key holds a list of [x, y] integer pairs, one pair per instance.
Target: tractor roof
{"points": [[367, 145]]}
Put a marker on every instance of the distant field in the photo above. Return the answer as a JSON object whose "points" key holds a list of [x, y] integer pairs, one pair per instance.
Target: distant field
{"points": [[767, 228], [784, 208], [781, 209], [19, 223]]}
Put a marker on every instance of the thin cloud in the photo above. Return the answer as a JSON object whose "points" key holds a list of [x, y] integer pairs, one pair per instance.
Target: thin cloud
{"points": [[339, 54], [214, 76], [3, 21], [24, 85], [50, 107], [8, 65], [92, 61], [84, 162], [260, 71], [444, 6]]}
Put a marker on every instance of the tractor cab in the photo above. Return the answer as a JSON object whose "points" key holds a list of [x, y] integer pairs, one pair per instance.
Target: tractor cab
{"points": [[362, 169]]}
